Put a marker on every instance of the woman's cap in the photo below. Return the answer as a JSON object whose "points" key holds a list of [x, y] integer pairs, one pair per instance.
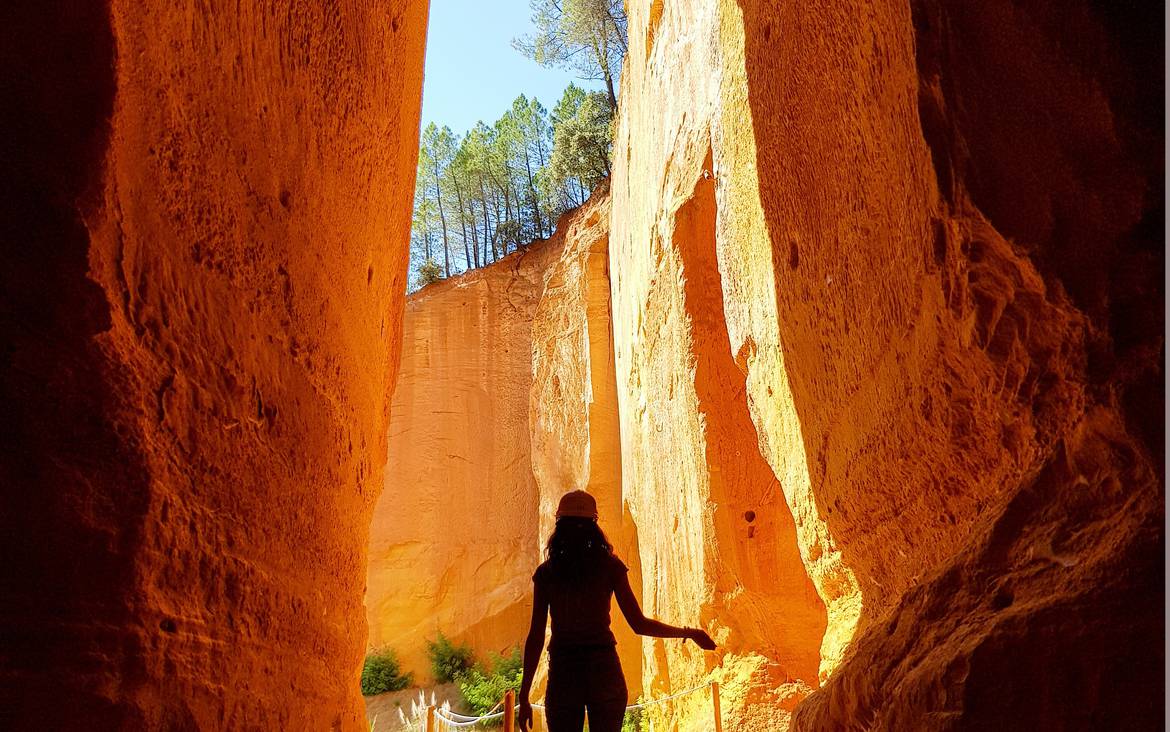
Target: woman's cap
{"points": [[577, 503]]}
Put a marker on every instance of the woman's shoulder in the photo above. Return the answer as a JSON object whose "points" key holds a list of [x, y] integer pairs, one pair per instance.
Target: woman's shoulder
{"points": [[616, 565], [612, 566]]}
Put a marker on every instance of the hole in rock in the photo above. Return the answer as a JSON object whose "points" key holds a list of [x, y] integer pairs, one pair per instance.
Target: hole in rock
{"points": [[1003, 599]]}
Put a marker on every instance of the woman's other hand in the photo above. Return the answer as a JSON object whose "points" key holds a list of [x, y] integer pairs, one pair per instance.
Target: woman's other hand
{"points": [[524, 717], [701, 639]]}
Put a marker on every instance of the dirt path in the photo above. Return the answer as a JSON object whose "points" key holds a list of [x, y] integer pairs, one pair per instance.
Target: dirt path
{"points": [[384, 707]]}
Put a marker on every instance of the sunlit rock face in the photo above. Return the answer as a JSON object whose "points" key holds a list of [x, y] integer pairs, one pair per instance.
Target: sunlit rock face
{"points": [[718, 541], [573, 409], [206, 211], [921, 248], [453, 542], [505, 401]]}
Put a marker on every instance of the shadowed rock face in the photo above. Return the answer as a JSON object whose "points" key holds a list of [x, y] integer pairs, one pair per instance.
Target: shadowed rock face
{"points": [[1041, 233], [205, 219]]}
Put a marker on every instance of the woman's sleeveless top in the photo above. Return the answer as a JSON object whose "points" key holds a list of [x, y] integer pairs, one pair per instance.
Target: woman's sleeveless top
{"points": [[579, 606]]}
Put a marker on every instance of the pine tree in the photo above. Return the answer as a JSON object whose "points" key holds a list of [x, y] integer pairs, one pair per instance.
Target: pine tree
{"points": [[501, 186], [588, 36]]}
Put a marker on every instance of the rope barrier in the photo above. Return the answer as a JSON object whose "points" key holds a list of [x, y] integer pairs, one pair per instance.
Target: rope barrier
{"points": [[469, 722], [652, 702], [449, 718]]}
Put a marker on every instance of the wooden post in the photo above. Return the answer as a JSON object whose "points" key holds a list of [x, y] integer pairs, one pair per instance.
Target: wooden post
{"points": [[431, 719], [510, 711], [715, 703]]}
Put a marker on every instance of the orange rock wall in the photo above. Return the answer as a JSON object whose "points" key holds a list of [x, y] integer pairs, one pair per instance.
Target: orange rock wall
{"points": [[205, 227], [454, 536], [718, 539], [887, 336], [573, 412], [920, 246]]}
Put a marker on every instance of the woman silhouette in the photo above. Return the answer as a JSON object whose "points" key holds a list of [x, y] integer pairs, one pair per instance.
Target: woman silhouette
{"points": [[574, 586]]}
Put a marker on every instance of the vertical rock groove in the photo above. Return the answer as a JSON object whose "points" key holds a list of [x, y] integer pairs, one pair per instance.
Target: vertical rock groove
{"points": [[772, 607]]}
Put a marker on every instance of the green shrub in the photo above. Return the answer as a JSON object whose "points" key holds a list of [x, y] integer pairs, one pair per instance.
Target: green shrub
{"points": [[632, 722], [429, 272], [447, 659], [381, 673], [483, 685]]}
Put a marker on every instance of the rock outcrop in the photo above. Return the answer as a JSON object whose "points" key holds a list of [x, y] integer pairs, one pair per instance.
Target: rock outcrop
{"points": [[505, 400], [718, 539], [454, 535], [205, 214], [576, 444], [920, 246]]}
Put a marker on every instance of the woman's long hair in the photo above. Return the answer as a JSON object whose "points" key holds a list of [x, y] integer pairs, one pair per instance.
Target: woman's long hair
{"points": [[577, 545]]}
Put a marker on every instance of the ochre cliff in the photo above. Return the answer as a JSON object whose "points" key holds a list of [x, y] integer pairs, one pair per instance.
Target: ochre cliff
{"points": [[573, 409], [205, 217], [862, 356], [505, 400], [454, 534], [921, 247]]}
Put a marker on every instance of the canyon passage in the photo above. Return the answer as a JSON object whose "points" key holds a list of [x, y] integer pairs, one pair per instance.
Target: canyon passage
{"points": [[860, 350]]}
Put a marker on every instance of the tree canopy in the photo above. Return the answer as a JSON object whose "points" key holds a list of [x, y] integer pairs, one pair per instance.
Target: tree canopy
{"points": [[587, 36], [498, 187]]}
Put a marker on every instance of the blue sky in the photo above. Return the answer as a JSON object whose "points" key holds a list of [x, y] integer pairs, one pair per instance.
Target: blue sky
{"points": [[473, 73]]}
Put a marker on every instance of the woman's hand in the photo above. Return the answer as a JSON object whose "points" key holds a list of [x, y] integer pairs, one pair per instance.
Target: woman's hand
{"points": [[701, 639], [524, 717]]}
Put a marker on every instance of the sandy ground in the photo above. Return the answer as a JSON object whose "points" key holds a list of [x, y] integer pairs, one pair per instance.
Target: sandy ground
{"points": [[384, 707]]}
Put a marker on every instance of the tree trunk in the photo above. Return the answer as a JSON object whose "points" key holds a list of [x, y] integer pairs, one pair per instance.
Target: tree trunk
{"points": [[532, 193], [601, 54], [427, 238], [474, 231], [462, 222], [540, 161], [487, 231], [443, 220], [507, 219]]}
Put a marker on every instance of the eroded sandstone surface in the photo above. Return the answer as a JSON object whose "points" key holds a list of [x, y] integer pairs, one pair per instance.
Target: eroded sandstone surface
{"points": [[930, 235], [206, 210], [505, 400], [864, 362], [573, 421], [454, 535]]}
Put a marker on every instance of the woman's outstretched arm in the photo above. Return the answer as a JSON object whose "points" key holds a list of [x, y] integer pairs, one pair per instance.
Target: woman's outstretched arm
{"points": [[643, 625], [533, 645]]}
